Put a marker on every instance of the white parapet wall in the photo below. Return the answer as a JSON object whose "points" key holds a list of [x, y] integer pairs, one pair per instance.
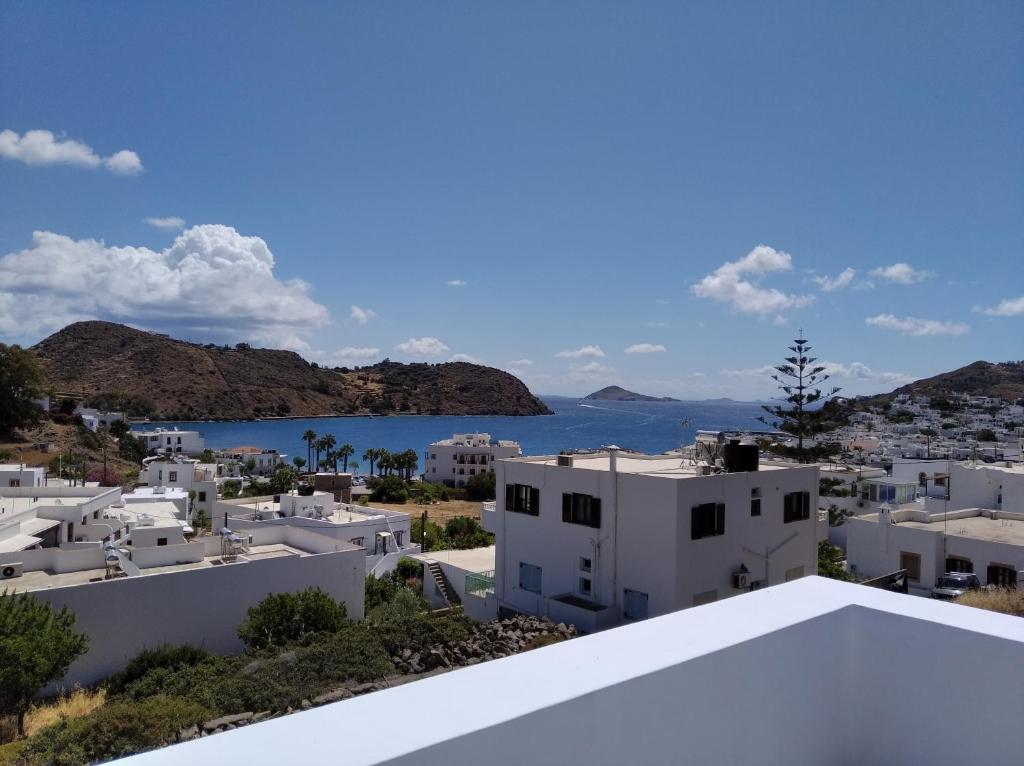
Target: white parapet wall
{"points": [[202, 606], [809, 672]]}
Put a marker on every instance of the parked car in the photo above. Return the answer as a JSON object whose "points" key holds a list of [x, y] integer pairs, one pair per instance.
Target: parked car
{"points": [[953, 584]]}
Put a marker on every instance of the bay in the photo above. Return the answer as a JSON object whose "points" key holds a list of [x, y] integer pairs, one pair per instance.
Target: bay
{"points": [[650, 427]]}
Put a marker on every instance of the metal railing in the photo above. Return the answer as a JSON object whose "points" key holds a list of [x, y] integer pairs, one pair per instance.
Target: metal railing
{"points": [[480, 584]]}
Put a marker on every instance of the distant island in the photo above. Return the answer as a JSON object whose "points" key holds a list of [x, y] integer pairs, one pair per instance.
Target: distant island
{"points": [[619, 394], [146, 374]]}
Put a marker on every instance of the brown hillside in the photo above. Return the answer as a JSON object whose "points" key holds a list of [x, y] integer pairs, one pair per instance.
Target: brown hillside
{"points": [[1004, 380], [159, 376]]}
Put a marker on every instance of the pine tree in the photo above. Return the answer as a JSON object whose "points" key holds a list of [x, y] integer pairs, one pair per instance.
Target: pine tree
{"points": [[800, 378]]}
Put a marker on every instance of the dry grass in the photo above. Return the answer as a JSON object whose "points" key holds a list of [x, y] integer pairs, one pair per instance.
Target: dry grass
{"points": [[1004, 600], [75, 705], [439, 513]]}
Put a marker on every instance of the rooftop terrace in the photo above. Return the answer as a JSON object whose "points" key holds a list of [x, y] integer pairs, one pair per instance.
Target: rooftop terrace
{"points": [[671, 466]]}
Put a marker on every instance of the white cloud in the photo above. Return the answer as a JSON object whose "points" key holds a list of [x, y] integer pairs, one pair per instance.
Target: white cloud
{"points": [[586, 352], [915, 326], [901, 273], [422, 347], [592, 368], [521, 362], [467, 358], [123, 163], [646, 348], [456, 283], [42, 147], [736, 283], [349, 353], [362, 316], [170, 222], [838, 282], [1011, 307], [854, 371], [212, 281]]}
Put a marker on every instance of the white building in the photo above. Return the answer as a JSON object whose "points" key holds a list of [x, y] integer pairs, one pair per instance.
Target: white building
{"points": [[452, 577], [384, 536], [21, 475], [601, 538], [988, 543], [183, 473], [806, 673], [95, 419], [165, 440], [232, 461], [453, 461]]}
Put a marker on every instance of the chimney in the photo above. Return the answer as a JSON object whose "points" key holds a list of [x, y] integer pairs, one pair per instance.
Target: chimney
{"points": [[613, 458]]}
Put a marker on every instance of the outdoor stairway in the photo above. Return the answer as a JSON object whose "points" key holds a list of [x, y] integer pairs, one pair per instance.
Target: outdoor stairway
{"points": [[447, 591]]}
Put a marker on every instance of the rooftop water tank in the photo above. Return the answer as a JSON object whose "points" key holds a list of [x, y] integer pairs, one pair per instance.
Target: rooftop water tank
{"points": [[740, 457]]}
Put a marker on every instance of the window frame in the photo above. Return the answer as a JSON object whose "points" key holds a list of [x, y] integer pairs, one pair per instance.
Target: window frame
{"points": [[707, 520], [581, 509], [796, 506]]}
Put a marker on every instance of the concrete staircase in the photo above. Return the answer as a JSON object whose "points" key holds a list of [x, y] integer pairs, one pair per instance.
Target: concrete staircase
{"points": [[447, 591]]}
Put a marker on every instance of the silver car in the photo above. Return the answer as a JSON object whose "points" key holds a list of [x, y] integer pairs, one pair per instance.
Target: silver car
{"points": [[953, 584]]}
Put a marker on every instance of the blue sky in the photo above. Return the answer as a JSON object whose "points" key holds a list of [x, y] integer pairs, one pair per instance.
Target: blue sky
{"points": [[540, 186]]}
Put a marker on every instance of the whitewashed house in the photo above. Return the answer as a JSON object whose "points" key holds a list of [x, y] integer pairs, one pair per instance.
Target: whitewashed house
{"points": [[163, 440], [453, 461], [21, 475], [188, 474], [598, 539]]}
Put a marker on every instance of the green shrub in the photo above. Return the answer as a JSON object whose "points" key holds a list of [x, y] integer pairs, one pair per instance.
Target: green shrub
{"points": [[282, 618], [114, 730], [388, 489], [464, 532], [166, 656], [481, 487]]}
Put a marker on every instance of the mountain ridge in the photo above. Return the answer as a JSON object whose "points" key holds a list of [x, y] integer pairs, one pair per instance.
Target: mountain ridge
{"points": [[175, 379]]}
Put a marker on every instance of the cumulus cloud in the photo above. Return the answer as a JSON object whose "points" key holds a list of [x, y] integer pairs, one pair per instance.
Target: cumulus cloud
{"points": [[456, 283], [467, 358], [838, 282], [1011, 307], [422, 347], [646, 348], [901, 273], [362, 316], [915, 326], [351, 353], [170, 222], [42, 147], [521, 362], [586, 352], [211, 281], [841, 372], [737, 283]]}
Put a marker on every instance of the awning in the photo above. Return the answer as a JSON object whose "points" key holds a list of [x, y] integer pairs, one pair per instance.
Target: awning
{"points": [[16, 543], [38, 526]]}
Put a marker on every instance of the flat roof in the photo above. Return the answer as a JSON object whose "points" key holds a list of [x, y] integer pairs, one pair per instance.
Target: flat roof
{"points": [[977, 528], [43, 578], [472, 560], [19, 542], [670, 466]]}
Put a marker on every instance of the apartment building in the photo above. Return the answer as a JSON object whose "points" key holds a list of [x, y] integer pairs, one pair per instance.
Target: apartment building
{"points": [[159, 440], [598, 539], [453, 461], [183, 473], [21, 475]]}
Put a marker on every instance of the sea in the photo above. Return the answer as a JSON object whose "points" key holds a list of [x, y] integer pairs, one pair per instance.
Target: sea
{"points": [[651, 427]]}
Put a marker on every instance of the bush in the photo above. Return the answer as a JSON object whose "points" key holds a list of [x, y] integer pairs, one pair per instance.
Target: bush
{"points": [[388, 489], [117, 729], [481, 487], [830, 561], [464, 532], [378, 591], [282, 618], [166, 656]]}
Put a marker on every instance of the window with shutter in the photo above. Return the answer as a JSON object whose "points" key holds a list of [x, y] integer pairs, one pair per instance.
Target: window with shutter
{"points": [[707, 520], [522, 498], [581, 509], [510, 497]]}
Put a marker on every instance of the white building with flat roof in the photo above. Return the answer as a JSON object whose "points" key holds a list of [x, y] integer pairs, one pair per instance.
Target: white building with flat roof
{"points": [[987, 543], [453, 461], [598, 539], [807, 673], [171, 440], [183, 473], [21, 475]]}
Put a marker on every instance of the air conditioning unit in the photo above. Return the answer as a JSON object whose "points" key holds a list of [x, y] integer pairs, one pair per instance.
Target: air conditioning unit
{"points": [[14, 569], [740, 580]]}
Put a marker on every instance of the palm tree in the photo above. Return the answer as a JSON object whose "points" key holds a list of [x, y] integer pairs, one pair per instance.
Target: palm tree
{"points": [[309, 437], [371, 455], [329, 444], [319, 446], [355, 466], [385, 461], [299, 462], [410, 459], [344, 452]]}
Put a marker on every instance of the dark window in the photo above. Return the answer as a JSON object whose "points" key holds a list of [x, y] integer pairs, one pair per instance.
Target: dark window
{"points": [[959, 565], [585, 585], [202, 497], [796, 506], [161, 541], [95, 514], [581, 509], [707, 520], [1002, 576], [530, 577], [522, 498], [585, 565], [912, 563], [755, 501]]}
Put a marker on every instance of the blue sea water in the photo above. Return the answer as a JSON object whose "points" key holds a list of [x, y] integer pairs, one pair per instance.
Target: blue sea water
{"points": [[650, 427]]}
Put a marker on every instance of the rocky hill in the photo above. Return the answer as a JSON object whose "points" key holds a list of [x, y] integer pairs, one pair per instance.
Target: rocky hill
{"points": [[155, 375], [619, 394], [1003, 380]]}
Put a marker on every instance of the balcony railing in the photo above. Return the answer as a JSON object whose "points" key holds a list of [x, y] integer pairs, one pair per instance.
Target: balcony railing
{"points": [[480, 584]]}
